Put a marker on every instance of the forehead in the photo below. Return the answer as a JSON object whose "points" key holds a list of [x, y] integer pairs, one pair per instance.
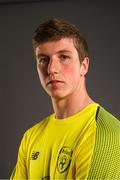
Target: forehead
{"points": [[55, 46]]}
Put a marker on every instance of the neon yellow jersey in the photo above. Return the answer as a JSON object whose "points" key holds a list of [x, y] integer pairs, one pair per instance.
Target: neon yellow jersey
{"points": [[63, 148]]}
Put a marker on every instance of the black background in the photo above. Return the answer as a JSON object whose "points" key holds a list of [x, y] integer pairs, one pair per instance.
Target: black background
{"points": [[22, 100]]}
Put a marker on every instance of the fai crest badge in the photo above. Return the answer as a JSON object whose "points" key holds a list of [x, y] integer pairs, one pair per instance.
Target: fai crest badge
{"points": [[64, 159]]}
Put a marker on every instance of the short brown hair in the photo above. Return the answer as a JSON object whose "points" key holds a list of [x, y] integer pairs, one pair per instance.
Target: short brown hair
{"points": [[56, 29]]}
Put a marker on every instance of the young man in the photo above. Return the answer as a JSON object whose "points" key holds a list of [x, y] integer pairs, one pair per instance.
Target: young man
{"points": [[81, 140]]}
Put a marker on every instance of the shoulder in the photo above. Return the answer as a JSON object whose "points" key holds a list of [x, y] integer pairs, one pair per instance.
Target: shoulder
{"points": [[32, 135], [105, 160], [37, 129], [106, 121]]}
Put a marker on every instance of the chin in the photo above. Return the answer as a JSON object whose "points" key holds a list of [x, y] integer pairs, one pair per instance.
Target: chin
{"points": [[56, 95]]}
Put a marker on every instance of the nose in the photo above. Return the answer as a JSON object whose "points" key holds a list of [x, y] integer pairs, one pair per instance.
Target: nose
{"points": [[53, 66]]}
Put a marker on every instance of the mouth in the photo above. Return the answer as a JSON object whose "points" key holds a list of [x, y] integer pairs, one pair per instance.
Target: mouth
{"points": [[54, 82]]}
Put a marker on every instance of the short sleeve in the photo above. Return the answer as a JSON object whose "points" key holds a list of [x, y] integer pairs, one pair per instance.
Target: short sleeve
{"points": [[20, 170]]}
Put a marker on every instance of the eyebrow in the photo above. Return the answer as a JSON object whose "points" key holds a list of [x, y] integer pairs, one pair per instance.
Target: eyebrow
{"points": [[64, 51], [58, 52], [41, 55]]}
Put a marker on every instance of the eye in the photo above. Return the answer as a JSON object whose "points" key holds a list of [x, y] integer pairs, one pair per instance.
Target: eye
{"points": [[64, 57], [43, 60]]}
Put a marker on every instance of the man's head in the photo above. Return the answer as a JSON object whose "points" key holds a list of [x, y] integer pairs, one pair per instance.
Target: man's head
{"points": [[62, 58], [56, 29]]}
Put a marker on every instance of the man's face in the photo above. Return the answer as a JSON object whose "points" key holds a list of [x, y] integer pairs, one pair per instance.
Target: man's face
{"points": [[59, 67]]}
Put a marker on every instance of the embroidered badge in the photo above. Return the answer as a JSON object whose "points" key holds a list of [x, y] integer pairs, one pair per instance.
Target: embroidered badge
{"points": [[64, 159]]}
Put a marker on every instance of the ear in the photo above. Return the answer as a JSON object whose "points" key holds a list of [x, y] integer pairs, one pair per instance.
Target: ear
{"points": [[84, 66]]}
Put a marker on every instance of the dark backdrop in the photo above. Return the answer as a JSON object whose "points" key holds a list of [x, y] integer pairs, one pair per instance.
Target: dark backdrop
{"points": [[22, 100]]}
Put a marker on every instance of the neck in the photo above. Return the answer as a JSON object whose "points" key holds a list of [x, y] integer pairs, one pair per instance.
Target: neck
{"points": [[70, 105]]}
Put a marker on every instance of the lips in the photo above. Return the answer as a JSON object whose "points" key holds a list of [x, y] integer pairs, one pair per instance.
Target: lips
{"points": [[54, 82]]}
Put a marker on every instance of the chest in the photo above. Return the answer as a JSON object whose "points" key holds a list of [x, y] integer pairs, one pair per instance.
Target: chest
{"points": [[52, 154]]}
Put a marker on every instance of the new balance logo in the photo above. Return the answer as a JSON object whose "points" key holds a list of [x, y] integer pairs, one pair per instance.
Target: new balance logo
{"points": [[34, 155]]}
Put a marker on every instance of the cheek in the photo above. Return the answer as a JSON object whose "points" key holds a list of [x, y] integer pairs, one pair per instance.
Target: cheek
{"points": [[41, 73], [72, 73]]}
